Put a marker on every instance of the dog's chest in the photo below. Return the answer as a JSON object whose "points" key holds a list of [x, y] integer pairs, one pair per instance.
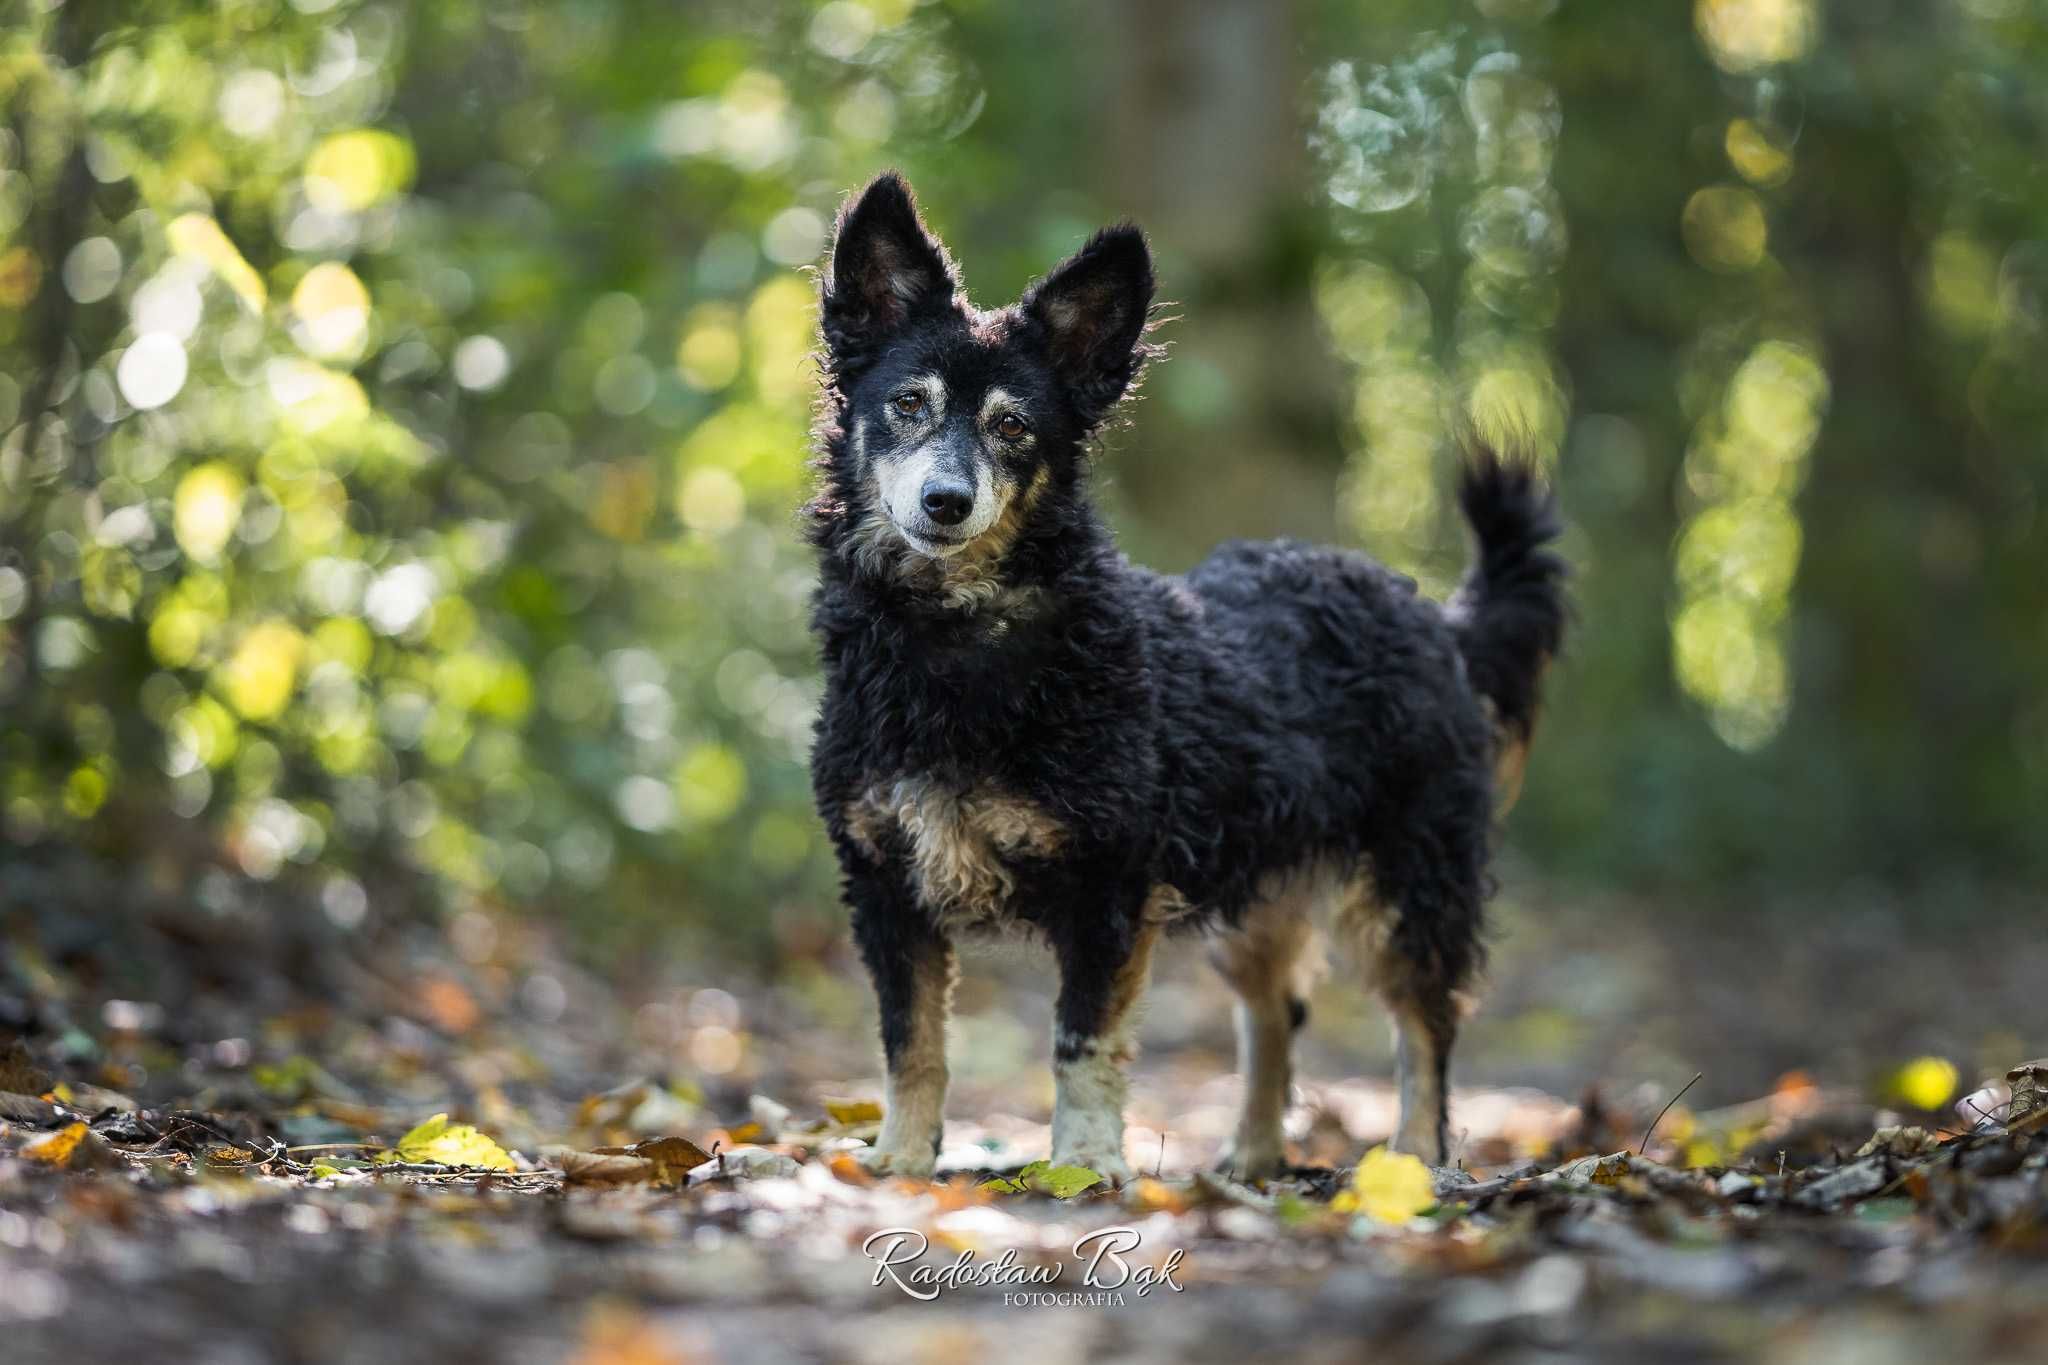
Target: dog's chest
{"points": [[962, 844]]}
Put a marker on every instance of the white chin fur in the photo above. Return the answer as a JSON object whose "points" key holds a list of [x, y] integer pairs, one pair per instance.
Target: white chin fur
{"points": [[932, 549]]}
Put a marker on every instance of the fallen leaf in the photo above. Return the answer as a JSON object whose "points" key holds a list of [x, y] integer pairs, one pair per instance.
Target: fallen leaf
{"points": [[17, 1108], [1061, 1182], [452, 1144], [97, 1099], [1389, 1187], [1598, 1170], [56, 1149], [847, 1167], [746, 1163], [854, 1111], [2029, 1083], [615, 1166], [1897, 1141], [673, 1158]]}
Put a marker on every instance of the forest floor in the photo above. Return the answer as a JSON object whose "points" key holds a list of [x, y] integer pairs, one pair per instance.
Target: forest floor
{"points": [[218, 1142]]}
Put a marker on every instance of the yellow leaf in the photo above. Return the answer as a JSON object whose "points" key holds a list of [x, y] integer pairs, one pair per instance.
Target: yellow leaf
{"points": [[452, 1144], [1392, 1187], [854, 1111], [55, 1149]]}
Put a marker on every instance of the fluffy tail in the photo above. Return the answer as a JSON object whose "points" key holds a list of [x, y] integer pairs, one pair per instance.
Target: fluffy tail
{"points": [[1510, 612]]}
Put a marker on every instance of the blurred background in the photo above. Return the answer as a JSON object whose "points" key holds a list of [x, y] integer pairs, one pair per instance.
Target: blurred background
{"points": [[405, 407]]}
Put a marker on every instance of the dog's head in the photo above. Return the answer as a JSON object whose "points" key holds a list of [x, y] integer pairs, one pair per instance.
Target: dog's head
{"points": [[951, 420]]}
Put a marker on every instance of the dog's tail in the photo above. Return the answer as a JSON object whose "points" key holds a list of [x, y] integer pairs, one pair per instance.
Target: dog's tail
{"points": [[1510, 612]]}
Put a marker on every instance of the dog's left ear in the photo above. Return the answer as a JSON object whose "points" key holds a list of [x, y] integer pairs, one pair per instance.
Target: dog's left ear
{"points": [[886, 268], [1093, 308]]}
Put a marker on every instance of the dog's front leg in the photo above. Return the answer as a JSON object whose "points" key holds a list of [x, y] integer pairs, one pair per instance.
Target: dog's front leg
{"points": [[1102, 978], [913, 968]]}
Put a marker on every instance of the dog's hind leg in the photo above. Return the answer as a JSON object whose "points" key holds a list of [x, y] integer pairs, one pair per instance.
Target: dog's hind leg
{"points": [[1418, 941], [1270, 961], [1102, 980]]}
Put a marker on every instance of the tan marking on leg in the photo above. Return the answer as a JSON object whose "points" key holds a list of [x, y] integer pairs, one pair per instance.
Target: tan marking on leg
{"points": [[1271, 961], [1089, 1091], [1368, 924], [1420, 1131], [914, 1096]]}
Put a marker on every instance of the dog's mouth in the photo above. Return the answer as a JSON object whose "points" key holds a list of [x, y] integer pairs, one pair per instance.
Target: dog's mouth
{"points": [[931, 542]]}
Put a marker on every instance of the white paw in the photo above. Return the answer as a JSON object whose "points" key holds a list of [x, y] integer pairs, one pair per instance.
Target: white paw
{"points": [[915, 1163], [1110, 1166]]}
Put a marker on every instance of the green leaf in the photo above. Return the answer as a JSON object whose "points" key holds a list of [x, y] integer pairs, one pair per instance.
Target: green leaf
{"points": [[1061, 1182], [452, 1144]]}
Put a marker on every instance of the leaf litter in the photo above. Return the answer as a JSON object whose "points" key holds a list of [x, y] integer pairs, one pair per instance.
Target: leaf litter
{"points": [[388, 1192]]}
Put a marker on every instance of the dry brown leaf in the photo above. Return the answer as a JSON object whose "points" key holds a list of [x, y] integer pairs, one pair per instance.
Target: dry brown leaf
{"points": [[1599, 1170], [605, 1166], [2029, 1082], [1896, 1141], [673, 1158], [16, 1108]]}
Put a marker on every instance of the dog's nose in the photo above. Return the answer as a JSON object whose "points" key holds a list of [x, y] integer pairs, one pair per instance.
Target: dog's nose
{"points": [[947, 501]]}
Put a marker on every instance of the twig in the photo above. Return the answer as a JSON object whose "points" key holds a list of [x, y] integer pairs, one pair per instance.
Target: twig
{"points": [[1640, 1146], [1160, 1165]]}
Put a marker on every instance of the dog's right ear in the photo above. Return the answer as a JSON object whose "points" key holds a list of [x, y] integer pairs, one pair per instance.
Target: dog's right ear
{"points": [[886, 268]]}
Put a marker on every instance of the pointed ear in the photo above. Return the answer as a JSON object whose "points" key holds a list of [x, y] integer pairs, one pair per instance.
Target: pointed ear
{"points": [[885, 268], [1093, 308]]}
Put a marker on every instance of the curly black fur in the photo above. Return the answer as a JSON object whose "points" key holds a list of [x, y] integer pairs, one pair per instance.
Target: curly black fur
{"points": [[1280, 706]]}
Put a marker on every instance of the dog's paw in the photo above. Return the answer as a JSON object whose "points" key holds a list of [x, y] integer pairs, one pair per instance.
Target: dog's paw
{"points": [[1110, 1166], [1255, 1164], [917, 1164]]}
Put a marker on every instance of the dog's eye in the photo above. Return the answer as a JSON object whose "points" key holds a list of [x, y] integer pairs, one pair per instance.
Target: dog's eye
{"points": [[909, 404], [1011, 427]]}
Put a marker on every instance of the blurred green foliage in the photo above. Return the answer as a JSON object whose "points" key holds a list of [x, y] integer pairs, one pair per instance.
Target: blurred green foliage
{"points": [[405, 404]]}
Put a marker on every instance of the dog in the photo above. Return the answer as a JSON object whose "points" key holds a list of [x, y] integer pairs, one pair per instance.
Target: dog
{"points": [[1023, 731]]}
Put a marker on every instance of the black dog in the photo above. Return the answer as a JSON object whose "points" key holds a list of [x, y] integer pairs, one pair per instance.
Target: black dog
{"points": [[1021, 729]]}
